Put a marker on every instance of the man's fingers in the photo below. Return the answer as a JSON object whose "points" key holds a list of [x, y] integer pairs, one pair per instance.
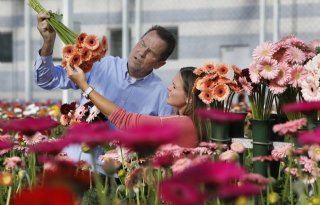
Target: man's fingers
{"points": [[69, 69], [78, 69]]}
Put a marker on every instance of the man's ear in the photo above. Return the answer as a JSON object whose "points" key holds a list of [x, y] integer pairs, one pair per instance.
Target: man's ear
{"points": [[160, 64]]}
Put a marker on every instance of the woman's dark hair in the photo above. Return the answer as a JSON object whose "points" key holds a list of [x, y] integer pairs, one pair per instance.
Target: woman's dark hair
{"points": [[194, 102], [166, 36]]}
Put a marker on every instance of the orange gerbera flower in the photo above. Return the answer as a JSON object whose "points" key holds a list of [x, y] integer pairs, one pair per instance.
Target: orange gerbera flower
{"points": [[68, 51], [64, 63], [91, 42], [75, 60], [198, 71], [86, 66], [223, 70], [80, 39], [221, 92], [203, 84], [236, 69], [104, 43], [206, 96], [86, 54], [209, 68]]}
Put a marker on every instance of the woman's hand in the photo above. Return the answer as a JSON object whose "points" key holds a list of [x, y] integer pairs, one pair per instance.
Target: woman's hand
{"points": [[77, 76]]}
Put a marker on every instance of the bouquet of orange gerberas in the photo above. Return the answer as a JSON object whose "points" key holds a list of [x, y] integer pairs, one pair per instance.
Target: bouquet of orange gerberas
{"points": [[80, 50]]}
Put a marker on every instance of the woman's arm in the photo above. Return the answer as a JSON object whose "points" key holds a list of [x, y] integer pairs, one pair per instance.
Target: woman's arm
{"points": [[102, 103]]}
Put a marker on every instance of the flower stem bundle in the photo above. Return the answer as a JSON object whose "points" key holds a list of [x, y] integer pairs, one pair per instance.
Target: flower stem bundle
{"points": [[66, 35]]}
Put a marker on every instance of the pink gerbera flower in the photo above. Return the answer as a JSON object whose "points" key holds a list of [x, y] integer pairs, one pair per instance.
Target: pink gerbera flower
{"points": [[275, 88], [298, 74], [310, 91], [290, 126], [80, 112], [268, 68], [94, 112], [254, 73], [294, 55], [284, 74], [266, 49], [281, 152], [246, 85]]}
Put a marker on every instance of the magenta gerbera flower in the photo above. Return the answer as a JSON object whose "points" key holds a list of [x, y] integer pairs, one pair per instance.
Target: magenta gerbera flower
{"points": [[217, 115], [304, 107], [29, 126], [6, 145], [216, 173], [231, 191], [146, 139], [311, 137], [176, 192], [52, 147], [90, 133]]}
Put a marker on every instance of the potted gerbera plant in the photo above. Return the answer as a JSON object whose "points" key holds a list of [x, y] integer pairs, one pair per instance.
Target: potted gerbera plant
{"points": [[216, 89]]}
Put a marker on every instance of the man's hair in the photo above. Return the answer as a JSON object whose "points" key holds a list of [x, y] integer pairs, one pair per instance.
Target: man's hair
{"points": [[166, 36]]}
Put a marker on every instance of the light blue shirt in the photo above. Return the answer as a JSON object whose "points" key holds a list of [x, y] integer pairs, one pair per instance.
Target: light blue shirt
{"points": [[110, 78]]}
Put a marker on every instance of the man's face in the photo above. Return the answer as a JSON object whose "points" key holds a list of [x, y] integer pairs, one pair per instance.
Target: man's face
{"points": [[145, 55]]}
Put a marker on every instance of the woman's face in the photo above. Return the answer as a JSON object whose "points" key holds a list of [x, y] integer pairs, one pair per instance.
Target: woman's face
{"points": [[176, 94]]}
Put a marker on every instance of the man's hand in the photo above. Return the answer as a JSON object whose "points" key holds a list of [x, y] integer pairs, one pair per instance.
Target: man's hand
{"points": [[47, 32]]}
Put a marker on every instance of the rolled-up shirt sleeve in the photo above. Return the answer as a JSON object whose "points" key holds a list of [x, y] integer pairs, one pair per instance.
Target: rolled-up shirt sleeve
{"points": [[48, 76]]}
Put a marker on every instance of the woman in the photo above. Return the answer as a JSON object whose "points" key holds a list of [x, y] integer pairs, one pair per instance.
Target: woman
{"points": [[180, 97]]}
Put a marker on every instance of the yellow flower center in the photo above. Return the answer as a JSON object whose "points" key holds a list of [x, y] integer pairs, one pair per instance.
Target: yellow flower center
{"points": [[273, 197], [268, 67], [241, 200], [264, 52], [315, 200]]}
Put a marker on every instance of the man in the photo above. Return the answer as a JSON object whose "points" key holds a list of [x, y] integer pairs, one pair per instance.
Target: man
{"points": [[129, 83]]}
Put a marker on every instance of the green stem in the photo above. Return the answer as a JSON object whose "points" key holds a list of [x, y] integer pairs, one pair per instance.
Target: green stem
{"points": [[97, 179], [9, 195]]}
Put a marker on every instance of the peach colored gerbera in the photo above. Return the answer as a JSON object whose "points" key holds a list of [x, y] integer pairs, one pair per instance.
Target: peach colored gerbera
{"points": [[198, 71], [86, 54], [91, 42], [104, 43], [209, 68], [75, 60], [80, 39], [221, 92], [68, 51], [206, 96], [223, 70]]}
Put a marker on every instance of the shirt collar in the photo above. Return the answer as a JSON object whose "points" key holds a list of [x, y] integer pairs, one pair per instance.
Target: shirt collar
{"points": [[126, 76]]}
